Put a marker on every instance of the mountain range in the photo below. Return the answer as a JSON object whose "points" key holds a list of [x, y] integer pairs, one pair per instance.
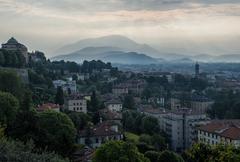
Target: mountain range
{"points": [[120, 49]]}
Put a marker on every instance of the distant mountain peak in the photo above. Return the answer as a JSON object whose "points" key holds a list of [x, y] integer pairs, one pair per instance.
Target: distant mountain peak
{"points": [[117, 41]]}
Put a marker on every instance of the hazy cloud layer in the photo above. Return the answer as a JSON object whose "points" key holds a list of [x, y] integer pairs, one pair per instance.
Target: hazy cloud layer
{"points": [[171, 25]]}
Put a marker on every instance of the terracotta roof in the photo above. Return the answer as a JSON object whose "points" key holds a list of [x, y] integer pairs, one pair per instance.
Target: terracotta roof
{"points": [[102, 129], [111, 115], [48, 106], [113, 102], [225, 128]]}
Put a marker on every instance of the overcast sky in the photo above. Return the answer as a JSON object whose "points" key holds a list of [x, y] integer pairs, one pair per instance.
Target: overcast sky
{"points": [[174, 26]]}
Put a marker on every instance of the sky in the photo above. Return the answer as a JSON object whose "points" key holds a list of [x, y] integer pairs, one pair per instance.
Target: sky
{"points": [[173, 26]]}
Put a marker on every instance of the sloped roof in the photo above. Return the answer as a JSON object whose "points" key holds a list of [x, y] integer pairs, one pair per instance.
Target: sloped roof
{"points": [[12, 41], [225, 128], [102, 129]]}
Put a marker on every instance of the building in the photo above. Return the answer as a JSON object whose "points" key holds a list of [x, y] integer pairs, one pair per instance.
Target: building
{"points": [[13, 45], [197, 68], [114, 105], [220, 131], [37, 56], [200, 103], [175, 103], [179, 125], [136, 86], [76, 103], [120, 90], [83, 76], [67, 86], [113, 116], [48, 106], [97, 135]]}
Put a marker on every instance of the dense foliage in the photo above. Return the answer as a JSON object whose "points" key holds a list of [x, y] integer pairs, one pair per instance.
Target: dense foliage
{"points": [[118, 151], [8, 108], [226, 105], [57, 132], [12, 151], [10, 82], [12, 59], [206, 153], [134, 121]]}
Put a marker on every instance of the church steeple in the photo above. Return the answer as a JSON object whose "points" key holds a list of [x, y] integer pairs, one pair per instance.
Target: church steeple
{"points": [[197, 67]]}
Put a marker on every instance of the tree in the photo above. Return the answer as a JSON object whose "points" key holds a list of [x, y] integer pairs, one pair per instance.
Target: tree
{"points": [[80, 120], [129, 102], [145, 138], [75, 77], [198, 84], [218, 153], [17, 151], [152, 155], [168, 156], [156, 141], [10, 82], [94, 104], [21, 60], [118, 151], [2, 59], [150, 125], [59, 98], [198, 153], [159, 142], [57, 132], [8, 108], [25, 126]]}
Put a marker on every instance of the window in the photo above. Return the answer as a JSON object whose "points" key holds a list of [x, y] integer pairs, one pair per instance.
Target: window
{"points": [[96, 140]]}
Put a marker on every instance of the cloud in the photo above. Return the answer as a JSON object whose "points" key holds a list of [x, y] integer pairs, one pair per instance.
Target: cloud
{"points": [[153, 21], [115, 5]]}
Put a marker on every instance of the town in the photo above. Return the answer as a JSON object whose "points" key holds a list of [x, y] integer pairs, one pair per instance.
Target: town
{"points": [[94, 111]]}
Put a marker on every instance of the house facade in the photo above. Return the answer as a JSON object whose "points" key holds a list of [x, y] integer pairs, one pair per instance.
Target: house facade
{"points": [[99, 134], [76, 103], [114, 105], [220, 131]]}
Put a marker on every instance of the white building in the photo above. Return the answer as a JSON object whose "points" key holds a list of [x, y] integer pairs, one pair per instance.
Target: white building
{"points": [[66, 85], [179, 125], [83, 76], [76, 103], [220, 131], [114, 105]]}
